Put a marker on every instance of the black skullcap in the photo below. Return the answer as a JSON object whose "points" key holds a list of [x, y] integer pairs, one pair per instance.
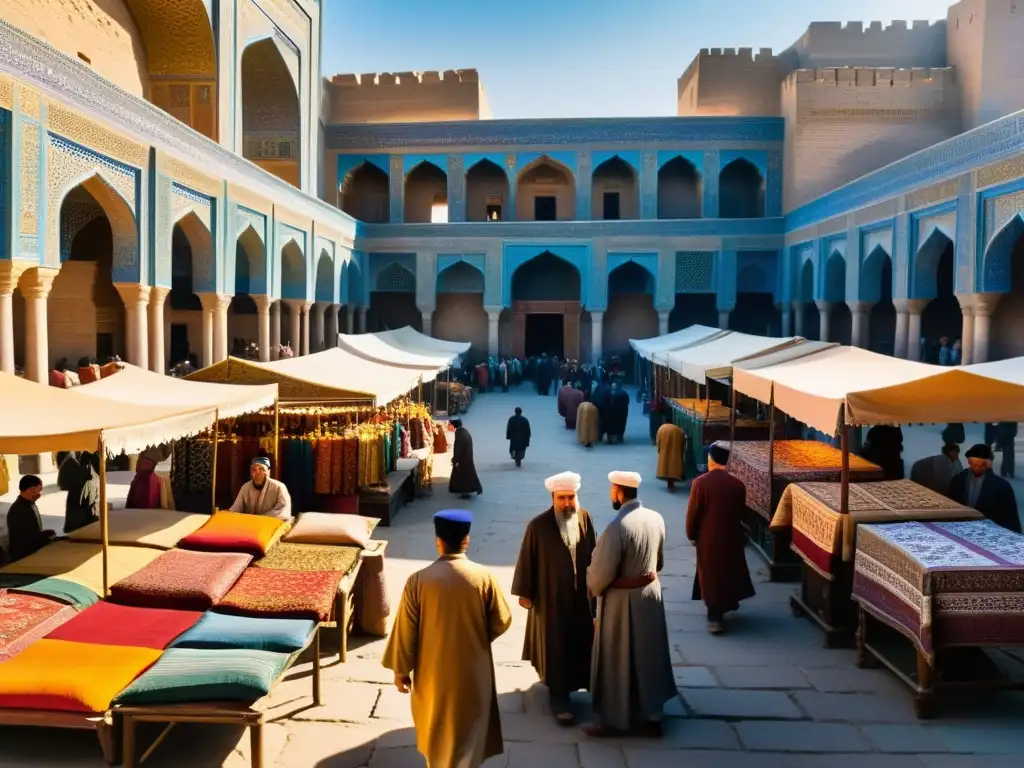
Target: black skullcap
{"points": [[980, 451], [719, 453]]}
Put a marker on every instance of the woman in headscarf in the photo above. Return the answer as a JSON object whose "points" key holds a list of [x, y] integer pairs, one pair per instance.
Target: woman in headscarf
{"points": [[83, 492], [144, 492]]}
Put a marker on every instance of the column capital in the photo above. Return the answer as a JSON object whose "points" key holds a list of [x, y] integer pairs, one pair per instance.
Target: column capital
{"points": [[823, 306], [158, 293], [10, 274], [984, 304], [860, 307], [796, 306], [263, 303], [493, 313], [214, 302], [597, 314], [133, 294], [36, 282], [911, 306]]}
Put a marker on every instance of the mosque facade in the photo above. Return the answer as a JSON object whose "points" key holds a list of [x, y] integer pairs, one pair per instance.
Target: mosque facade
{"points": [[178, 175]]}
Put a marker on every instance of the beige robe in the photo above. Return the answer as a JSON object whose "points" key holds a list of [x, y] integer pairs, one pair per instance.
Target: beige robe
{"points": [[272, 500], [587, 419], [671, 442], [450, 613]]}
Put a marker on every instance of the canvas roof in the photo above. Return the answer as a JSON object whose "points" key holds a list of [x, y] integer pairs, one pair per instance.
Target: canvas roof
{"points": [[878, 389], [35, 418], [655, 348], [141, 387], [408, 337], [694, 362], [371, 347]]}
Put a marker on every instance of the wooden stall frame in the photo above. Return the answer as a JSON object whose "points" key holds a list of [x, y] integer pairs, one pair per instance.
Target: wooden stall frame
{"points": [[106, 726]]}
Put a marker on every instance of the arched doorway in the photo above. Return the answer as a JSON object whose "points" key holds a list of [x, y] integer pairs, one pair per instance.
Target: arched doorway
{"points": [[191, 247], [614, 191], [459, 313], [365, 194], [631, 313], [810, 319], [755, 311], [740, 191], [393, 300], [934, 279], [426, 195], [680, 190], [323, 293], [271, 116], [840, 321], [876, 287], [250, 281], [181, 59], [545, 191], [1005, 258], [487, 193], [293, 287], [546, 293]]}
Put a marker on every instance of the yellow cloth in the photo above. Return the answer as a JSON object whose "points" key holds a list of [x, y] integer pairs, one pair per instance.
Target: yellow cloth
{"points": [[587, 418], [82, 563], [813, 509], [166, 492], [160, 528], [227, 531], [671, 442], [64, 675], [450, 613]]}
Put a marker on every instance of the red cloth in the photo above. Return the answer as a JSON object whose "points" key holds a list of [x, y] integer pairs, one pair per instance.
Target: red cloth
{"points": [[144, 492], [270, 593], [110, 624], [181, 580], [58, 379], [87, 374]]}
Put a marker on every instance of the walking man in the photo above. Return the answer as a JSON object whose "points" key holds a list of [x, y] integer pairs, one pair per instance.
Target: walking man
{"points": [[631, 672], [440, 650], [517, 432], [553, 588]]}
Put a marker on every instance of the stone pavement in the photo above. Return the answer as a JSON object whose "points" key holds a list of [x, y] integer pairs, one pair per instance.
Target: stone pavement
{"points": [[767, 693]]}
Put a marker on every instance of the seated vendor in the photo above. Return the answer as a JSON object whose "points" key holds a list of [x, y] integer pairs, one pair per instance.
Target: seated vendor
{"points": [[24, 525], [144, 492], [263, 495]]}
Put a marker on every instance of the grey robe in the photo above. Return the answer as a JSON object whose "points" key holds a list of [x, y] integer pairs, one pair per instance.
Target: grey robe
{"points": [[273, 500], [631, 670]]}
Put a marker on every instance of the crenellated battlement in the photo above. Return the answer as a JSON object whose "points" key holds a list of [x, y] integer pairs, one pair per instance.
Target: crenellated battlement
{"points": [[763, 54], [376, 79], [872, 77], [901, 44]]}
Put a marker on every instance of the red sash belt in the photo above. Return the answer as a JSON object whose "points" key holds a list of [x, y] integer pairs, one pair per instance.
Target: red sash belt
{"points": [[634, 582]]}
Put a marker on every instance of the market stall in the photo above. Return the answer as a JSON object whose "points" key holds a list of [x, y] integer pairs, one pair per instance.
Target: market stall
{"points": [[655, 378]]}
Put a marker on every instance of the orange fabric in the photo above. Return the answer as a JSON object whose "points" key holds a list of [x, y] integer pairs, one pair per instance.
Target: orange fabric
{"points": [[69, 676], [236, 532]]}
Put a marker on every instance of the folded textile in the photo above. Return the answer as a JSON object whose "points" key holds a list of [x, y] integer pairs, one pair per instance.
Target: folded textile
{"points": [[108, 623], [236, 532], [159, 528], [310, 557], [283, 594], [75, 595], [220, 630], [82, 563], [327, 528], [26, 618], [181, 580]]}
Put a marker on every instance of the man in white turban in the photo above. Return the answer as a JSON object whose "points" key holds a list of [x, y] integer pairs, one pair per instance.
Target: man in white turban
{"points": [[631, 677], [551, 583]]}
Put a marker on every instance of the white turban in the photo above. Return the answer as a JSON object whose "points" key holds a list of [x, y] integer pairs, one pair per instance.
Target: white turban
{"points": [[625, 479], [564, 482]]}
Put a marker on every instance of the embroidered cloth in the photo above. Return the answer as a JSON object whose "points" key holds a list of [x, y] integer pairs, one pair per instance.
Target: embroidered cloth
{"points": [[26, 618], [182, 580], [283, 594]]}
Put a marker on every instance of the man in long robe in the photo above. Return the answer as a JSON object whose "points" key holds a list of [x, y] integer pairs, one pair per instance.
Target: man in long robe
{"points": [[464, 479], [981, 488], [602, 398], [440, 650], [517, 432], [569, 399], [714, 525], [262, 494], [937, 472], [551, 583], [671, 443], [631, 672], [588, 420]]}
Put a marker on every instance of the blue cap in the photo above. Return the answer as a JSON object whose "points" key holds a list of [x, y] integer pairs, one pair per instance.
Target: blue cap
{"points": [[463, 516], [263, 461]]}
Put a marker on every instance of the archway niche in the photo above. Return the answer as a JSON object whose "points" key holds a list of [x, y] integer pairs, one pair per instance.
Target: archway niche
{"points": [[840, 319], [614, 191], [271, 114], [393, 300], [876, 286], [250, 280], [546, 311], [631, 313], [740, 191], [1006, 252], [487, 193], [934, 279], [811, 325], [755, 311], [191, 247], [426, 195], [459, 313], [680, 190], [365, 194], [545, 191]]}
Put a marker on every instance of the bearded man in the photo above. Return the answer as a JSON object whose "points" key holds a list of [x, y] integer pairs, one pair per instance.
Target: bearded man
{"points": [[551, 583]]}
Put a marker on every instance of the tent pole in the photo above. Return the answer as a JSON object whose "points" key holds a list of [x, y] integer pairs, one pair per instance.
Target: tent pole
{"points": [[213, 472], [104, 517], [771, 443], [448, 394], [732, 411], [844, 487], [419, 390], [277, 439]]}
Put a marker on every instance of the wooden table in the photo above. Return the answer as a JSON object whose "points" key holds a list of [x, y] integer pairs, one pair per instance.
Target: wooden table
{"points": [[384, 504]]}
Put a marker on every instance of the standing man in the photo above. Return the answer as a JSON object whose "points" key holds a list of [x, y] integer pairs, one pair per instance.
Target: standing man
{"points": [[631, 673], [671, 442], [517, 432], [440, 649], [464, 479], [24, 524], [979, 487], [569, 399], [937, 472], [553, 588], [713, 524]]}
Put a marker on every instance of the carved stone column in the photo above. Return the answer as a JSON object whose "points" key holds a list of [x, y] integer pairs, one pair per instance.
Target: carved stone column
{"points": [[294, 339], [360, 319], [428, 321], [860, 312], [350, 324], [798, 318], [663, 323], [596, 336], [157, 332], [331, 329], [984, 306], [136, 304], [10, 273], [824, 316], [263, 304], [307, 307], [35, 286], [493, 318], [914, 309], [967, 332], [723, 319], [211, 303], [785, 319], [316, 333], [275, 329]]}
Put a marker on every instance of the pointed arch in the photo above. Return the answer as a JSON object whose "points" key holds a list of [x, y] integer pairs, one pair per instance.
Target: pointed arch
{"points": [[631, 277], [807, 280], [834, 288], [271, 113], [997, 263], [615, 191], [740, 191], [487, 192], [200, 244], [925, 266], [112, 205], [365, 194], [460, 277], [426, 194], [545, 191], [293, 271], [356, 295], [396, 278], [250, 263], [875, 271], [324, 285], [680, 190], [546, 277]]}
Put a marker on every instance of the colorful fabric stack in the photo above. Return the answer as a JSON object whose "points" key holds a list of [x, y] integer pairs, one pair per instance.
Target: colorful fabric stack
{"points": [[182, 580], [236, 532], [108, 623], [943, 584], [821, 533], [26, 618], [795, 461], [82, 563]]}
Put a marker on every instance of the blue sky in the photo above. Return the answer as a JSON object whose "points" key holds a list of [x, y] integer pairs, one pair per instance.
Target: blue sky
{"points": [[575, 58]]}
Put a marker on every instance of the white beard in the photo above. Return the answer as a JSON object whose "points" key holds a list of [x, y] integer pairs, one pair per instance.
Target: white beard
{"points": [[569, 527]]}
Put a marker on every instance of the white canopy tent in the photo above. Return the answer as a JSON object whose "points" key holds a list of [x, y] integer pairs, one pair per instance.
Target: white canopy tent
{"points": [[694, 362], [141, 387], [340, 369], [409, 338], [370, 346], [655, 349]]}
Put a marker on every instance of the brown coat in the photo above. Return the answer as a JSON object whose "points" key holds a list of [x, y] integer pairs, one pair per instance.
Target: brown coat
{"points": [[671, 441], [560, 625], [713, 524], [587, 423]]}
